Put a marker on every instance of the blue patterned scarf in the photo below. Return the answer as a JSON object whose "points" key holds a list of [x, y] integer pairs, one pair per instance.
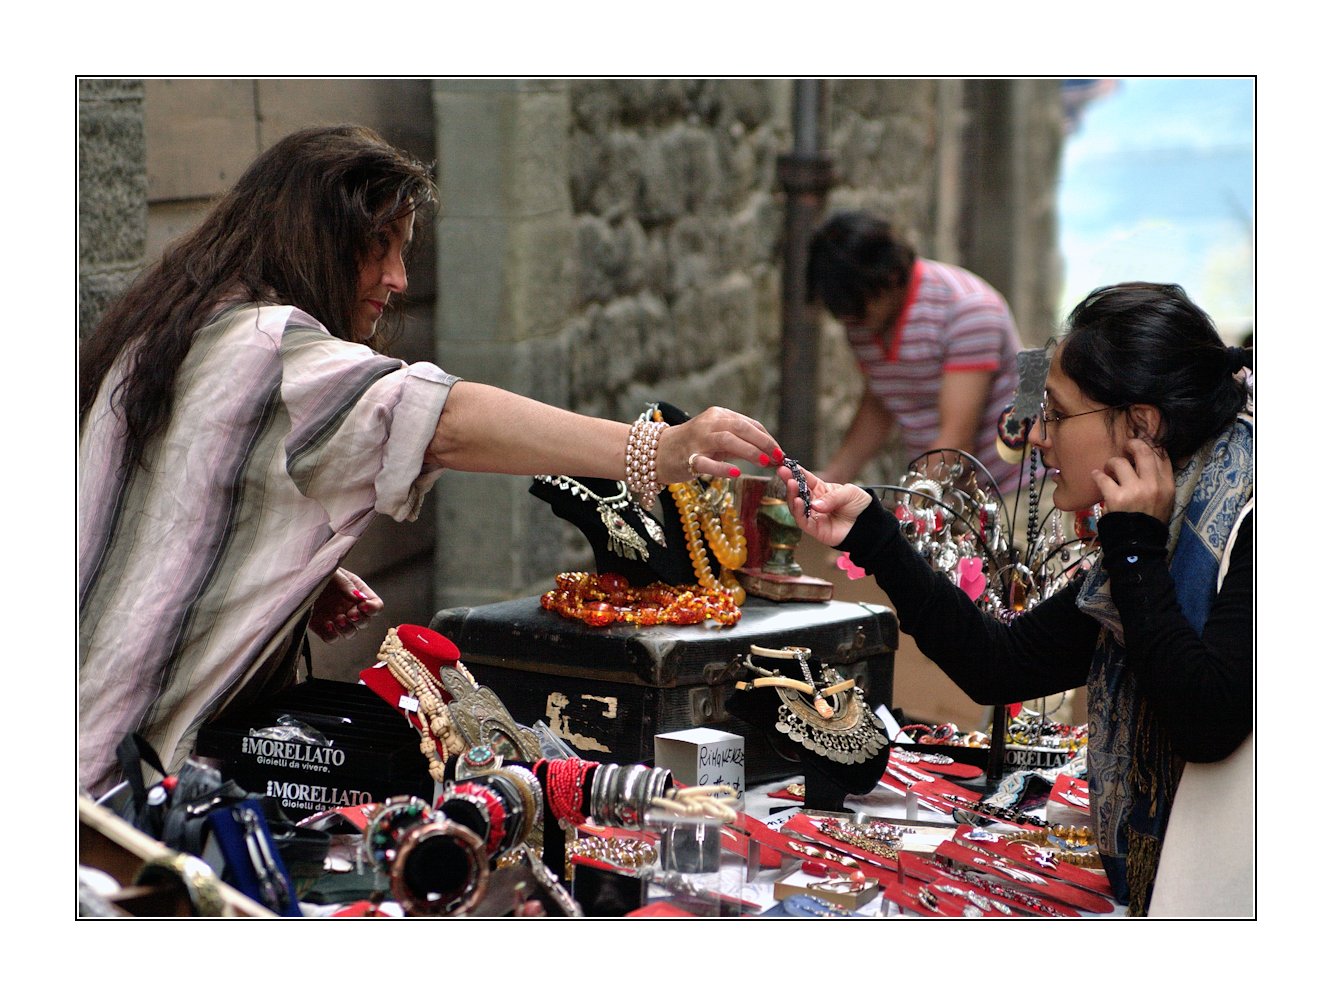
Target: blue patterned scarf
{"points": [[1132, 769]]}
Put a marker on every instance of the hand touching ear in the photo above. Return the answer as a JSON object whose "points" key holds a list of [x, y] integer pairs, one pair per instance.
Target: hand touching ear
{"points": [[1142, 480]]}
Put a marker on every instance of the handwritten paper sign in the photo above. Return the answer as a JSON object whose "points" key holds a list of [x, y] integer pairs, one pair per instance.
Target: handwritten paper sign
{"points": [[703, 756]]}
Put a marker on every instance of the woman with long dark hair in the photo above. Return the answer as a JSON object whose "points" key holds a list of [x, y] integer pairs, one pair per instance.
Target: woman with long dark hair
{"points": [[1146, 411], [239, 430]]}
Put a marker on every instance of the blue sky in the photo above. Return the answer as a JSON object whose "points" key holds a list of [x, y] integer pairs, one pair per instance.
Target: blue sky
{"points": [[1157, 184]]}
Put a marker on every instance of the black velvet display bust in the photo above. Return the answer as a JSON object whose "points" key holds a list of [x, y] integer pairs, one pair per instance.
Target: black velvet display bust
{"points": [[669, 564], [827, 781]]}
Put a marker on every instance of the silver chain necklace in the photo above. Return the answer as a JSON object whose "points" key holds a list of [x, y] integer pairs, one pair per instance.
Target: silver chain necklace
{"points": [[621, 538]]}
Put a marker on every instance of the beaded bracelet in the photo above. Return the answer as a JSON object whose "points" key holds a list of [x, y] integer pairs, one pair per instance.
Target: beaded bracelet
{"points": [[640, 461], [565, 779], [489, 805]]}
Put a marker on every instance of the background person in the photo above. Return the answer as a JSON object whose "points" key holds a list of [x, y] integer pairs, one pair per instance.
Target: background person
{"points": [[1147, 412], [239, 430], [936, 344]]}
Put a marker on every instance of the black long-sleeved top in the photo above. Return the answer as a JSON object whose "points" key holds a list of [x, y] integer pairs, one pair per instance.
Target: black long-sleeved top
{"points": [[1201, 688]]}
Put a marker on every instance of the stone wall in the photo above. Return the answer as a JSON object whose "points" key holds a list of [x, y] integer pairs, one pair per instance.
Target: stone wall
{"points": [[113, 192]]}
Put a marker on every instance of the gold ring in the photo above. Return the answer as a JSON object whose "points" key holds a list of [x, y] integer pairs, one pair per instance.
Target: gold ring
{"points": [[692, 458]]}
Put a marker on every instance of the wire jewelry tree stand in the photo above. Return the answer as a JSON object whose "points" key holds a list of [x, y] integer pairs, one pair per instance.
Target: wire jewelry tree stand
{"points": [[950, 509]]}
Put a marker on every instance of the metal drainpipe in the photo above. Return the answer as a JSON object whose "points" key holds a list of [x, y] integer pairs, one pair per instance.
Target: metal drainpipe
{"points": [[806, 174]]}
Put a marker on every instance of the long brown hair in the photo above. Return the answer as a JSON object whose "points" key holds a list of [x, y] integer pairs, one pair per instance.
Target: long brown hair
{"points": [[293, 230]]}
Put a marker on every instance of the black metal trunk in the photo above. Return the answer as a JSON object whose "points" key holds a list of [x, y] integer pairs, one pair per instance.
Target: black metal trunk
{"points": [[608, 692]]}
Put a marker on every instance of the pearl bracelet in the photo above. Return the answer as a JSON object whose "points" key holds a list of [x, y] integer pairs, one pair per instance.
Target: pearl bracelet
{"points": [[640, 461]]}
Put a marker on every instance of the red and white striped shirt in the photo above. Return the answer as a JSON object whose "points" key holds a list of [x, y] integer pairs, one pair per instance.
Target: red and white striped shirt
{"points": [[952, 321]]}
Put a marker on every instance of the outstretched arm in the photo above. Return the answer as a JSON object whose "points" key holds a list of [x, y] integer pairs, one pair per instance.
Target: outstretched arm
{"points": [[833, 508], [1043, 651], [484, 428]]}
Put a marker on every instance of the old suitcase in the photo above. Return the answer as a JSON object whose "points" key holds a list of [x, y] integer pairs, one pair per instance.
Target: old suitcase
{"points": [[607, 692]]}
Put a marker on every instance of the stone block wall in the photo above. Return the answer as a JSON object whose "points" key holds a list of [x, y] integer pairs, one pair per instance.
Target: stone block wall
{"points": [[113, 192]]}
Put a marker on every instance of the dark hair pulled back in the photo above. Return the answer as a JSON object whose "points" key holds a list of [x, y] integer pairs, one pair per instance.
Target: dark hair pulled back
{"points": [[1145, 343], [854, 255]]}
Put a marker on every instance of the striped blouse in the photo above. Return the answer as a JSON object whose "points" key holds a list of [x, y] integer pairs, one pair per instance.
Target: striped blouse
{"points": [[196, 572]]}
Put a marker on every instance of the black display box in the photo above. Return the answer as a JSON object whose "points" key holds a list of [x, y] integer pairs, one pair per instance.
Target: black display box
{"points": [[375, 753]]}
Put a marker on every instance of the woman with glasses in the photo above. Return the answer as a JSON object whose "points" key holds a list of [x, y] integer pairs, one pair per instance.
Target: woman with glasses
{"points": [[1148, 413]]}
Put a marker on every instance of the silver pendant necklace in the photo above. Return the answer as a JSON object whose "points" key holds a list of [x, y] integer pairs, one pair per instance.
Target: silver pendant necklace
{"points": [[621, 538]]}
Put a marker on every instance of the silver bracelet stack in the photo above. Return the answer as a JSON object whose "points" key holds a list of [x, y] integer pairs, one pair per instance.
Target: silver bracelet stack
{"points": [[622, 794]]}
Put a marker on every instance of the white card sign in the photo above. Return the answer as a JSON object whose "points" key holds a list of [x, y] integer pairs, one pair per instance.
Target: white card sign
{"points": [[703, 756]]}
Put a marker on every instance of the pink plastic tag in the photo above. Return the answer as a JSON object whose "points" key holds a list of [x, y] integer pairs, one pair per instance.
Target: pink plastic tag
{"points": [[970, 577], [853, 572]]}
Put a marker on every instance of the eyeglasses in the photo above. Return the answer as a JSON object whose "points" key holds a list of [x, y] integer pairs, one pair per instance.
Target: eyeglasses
{"points": [[1049, 415]]}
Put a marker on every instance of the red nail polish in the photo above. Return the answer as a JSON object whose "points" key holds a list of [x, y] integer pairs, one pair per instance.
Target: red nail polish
{"points": [[778, 455], [735, 471], [764, 460], [358, 594]]}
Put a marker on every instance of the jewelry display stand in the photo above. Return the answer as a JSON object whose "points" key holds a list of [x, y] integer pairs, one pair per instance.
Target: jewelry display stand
{"points": [[625, 539], [841, 747], [950, 510], [606, 685], [618, 531]]}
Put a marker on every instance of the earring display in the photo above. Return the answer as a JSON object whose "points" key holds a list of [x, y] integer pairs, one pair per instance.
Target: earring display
{"points": [[950, 510]]}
